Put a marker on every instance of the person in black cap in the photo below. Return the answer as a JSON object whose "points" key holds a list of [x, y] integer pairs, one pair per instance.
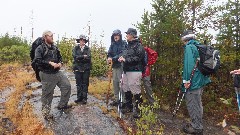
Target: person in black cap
{"points": [[115, 51], [81, 66], [133, 66]]}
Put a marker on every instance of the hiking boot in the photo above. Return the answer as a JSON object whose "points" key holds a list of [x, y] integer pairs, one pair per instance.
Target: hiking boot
{"points": [[84, 101], [64, 107], [114, 103], [190, 130], [137, 114], [138, 101], [123, 105], [78, 101], [127, 109]]}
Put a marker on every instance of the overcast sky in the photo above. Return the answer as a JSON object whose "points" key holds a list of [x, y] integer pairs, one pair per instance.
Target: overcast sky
{"points": [[70, 16]]}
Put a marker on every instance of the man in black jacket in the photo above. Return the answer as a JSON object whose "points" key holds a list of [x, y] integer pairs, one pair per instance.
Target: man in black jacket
{"points": [[81, 66], [133, 66], [115, 51], [49, 62]]}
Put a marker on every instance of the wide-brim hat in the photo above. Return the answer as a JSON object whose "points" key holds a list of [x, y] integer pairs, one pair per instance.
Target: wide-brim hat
{"points": [[82, 37]]}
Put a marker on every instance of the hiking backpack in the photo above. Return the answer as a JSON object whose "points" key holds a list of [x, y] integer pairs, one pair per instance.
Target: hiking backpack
{"points": [[209, 59], [151, 56], [35, 44]]}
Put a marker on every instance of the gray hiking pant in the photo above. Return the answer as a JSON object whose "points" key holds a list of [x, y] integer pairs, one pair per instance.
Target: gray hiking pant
{"points": [[117, 75], [132, 82], [49, 82], [195, 108], [148, 88]]}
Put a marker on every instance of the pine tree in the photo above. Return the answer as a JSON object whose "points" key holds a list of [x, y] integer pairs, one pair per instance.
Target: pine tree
{"points": [[229, 35]]}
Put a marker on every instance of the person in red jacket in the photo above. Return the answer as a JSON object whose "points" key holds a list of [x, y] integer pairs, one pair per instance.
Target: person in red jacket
{"points": [[152, 58]]}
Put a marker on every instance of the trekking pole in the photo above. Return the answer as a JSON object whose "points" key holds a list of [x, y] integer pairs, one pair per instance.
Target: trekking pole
{"points": [[178, 104], [238, 96], [120, 98], [237, 88], [110, 80]]}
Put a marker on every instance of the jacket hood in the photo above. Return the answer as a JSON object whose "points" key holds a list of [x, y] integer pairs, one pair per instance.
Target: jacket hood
{"points": [[116, 32], [192, 42]]}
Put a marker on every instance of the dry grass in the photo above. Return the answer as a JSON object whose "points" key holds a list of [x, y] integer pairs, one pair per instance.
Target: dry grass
{"points": [[99, 88], [6, 75], [26, 122]]}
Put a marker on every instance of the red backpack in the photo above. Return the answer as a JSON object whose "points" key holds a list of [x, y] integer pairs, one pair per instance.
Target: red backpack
{"points": [[152, 55]]}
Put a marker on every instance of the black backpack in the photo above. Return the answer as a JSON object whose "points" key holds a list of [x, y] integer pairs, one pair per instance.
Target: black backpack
{"points": [[35, 44], [209, 59]]}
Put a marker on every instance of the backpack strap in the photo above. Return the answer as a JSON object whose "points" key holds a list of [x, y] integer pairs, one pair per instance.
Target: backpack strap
{"points": [[45, 50]]}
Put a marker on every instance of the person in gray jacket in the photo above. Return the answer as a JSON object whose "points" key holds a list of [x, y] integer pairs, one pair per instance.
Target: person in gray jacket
{"points": [[49, 61]]}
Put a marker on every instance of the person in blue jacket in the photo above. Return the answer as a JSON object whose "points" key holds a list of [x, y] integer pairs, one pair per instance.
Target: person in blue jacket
{"points": [[193, 86], [116, 49]]}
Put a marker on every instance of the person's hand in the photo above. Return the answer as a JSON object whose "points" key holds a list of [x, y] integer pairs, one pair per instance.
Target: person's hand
{"points": [[187, 85], [121, 59], [55, 65], [109, 60], [59, 65], [235, 71]]}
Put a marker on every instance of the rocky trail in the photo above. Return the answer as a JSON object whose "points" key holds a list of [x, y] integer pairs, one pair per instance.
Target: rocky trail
{"points": [[90, 119]]}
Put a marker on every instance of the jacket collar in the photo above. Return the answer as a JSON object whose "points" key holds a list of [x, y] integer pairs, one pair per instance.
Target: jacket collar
{"points": [[132, 43], [84, 47]]}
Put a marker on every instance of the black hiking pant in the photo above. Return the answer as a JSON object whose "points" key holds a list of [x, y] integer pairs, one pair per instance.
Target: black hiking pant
{"points": [[82, 83]]}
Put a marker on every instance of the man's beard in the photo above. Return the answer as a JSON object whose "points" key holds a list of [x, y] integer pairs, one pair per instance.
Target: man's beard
{"points": [[49, 42]]}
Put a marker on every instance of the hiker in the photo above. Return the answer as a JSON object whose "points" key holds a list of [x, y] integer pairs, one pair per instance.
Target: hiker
{"points": [[151, 59], [132, 67], [236, 80], [49, 62], [82, 66], [194, 88], [115, 51]]}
